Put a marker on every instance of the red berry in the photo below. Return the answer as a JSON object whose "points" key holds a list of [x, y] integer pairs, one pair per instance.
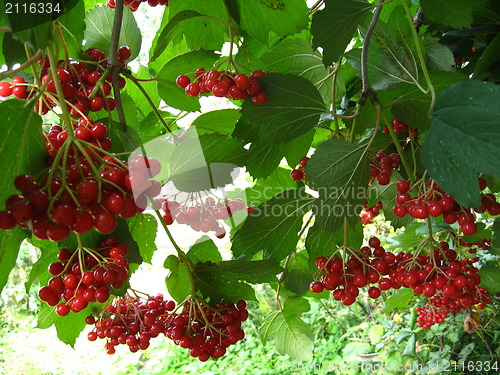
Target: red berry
{"points": [[182, 81]]}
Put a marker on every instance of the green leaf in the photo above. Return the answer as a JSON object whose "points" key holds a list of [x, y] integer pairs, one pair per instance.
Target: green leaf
{"points": [[290, 333], [320, 243], [293, 107], [22, 146], [410, 346], [439, 56], [284, 17], [273, 226], [189, 62], [398, 300], [463, 139], [143, 228], [201, 33], [13, 51], [387, 194], [339, 171], [10, 241], [296, 56], [177, 281], [264, 158], [141, 104], [205, 162], [495, 239], [99, 21], [49, 250], [454, 13], [298, 276], [204, 250], [220, 121], [255, 271], [489, 277], [36, 37], [488, 62], [334, 26], [298, 148], [412, 107], [170, 29], [217, 284], [74, 26], [125, 138], [266, 188]]}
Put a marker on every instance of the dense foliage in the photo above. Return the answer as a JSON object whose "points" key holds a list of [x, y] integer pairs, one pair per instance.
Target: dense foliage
{"points": [[343, 113]]}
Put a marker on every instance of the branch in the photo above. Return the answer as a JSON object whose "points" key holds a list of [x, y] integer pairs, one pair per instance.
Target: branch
{"points": [[23, 66], [418, 20], [113, 59], [364, 52]]}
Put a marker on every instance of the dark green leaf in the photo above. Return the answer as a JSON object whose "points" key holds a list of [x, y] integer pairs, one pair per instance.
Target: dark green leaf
{"points": [[143, 228], [217, 284], [334, 27], [410, 346], [74, 27], [125, 138], [284, 17], [489, 277], [189, 62], [293, 107], [49, 250], [205, 250], [12, 51], [339, 171], [495, 239], [177, 281], [10, 241], [454, 13], [464, 139], [202, 33], [439, 57], [273, 226], [246, 130], [290, 333], [255, 271], [264, 158], [320, 243], [296, 56], [99, 21], [488, 61], [266, 188], [299, 147], [398, 300], [170, 29], [221, 121], [36, 37]]}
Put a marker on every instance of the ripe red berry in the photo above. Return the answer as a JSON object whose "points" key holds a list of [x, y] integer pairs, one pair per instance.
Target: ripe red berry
{"points": [[182, 81], [124, 53]]}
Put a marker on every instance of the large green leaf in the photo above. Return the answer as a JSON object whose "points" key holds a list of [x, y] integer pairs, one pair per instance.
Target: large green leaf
{"points": [[266, 188], [334, 26], [206, 161], [495, 239], [439, 56], [293, 107], [189, 62], [99, 21], [125, 138], [13, 51], [143, 228], [204, 250], [283, 17], [339, 171], [273, 226], [167, 32], [320, 243], [205, 33], [74, 26], [141, 104], [399, 300], [220, 121], [489, 277], [454, 13], [463, 140], [177, 281], [10, 241], [290, 333], [264, 158]]}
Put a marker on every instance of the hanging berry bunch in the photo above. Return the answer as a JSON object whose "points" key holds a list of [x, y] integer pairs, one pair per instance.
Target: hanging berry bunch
{"points": [[134, 4], [85, 275], [298, 174], [223, 83], [400, 127], [382, 165]]}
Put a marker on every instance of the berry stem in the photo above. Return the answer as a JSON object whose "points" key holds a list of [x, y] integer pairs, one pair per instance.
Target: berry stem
{"points": [[60, 94], [23, 66]]}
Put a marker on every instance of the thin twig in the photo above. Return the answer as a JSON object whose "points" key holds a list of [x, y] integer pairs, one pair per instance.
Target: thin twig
{"points": [[315, 7], [23, 66], [364, 51], [113, 59]]}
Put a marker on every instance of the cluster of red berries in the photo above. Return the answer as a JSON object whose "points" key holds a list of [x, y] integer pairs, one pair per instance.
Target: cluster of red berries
{"points": [[433, 201], [131, 321], [381, 166], [439, 273], [400, 127], [484, 244], [206, 331], [367, 214], [16, 87], [134, 4], [201, 216], [85, 275], [224, 84], [82, 86], [298, 174]]}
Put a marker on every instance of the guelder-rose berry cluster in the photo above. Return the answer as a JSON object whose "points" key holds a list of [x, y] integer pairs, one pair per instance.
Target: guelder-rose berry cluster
{"points": [[201, 215], [16, 87], [85, 275], [131, 321], [134, 4], [381, 166], [298, 174], [223, 83], [400, 127], [433, 201], [367, 214], [439, 273]]}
